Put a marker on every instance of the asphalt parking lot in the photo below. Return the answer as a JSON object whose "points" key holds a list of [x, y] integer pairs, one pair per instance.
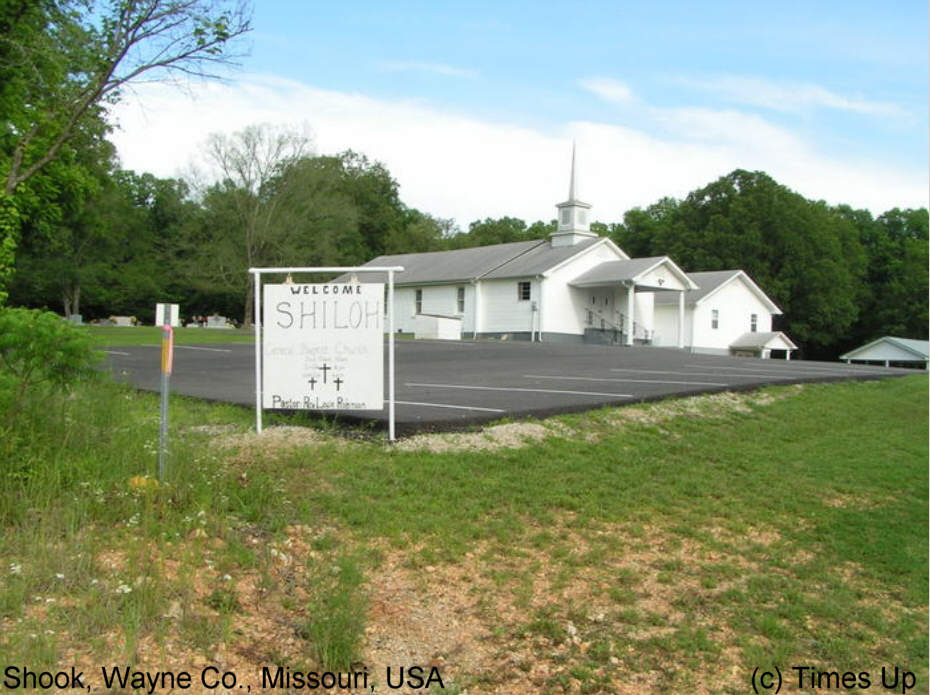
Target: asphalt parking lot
{"points": [[452, 385]]}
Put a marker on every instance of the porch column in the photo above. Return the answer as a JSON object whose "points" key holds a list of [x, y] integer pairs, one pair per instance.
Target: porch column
{"points": [[787, 355], [629, 314], [681, 319]]}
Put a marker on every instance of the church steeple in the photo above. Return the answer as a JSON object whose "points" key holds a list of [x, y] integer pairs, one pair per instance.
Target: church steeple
{"points": [[574, 225]]}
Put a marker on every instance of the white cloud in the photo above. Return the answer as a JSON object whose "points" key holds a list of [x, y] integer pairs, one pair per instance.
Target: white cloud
{"points": [[789, 96], [608, 89], [452, 165], [435, 68]]}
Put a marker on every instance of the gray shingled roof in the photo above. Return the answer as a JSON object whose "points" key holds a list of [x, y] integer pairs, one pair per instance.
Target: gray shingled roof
{"points": [[538, 259], [616, 271], [513, 260], [761, 340], [707, 282], [461, 265]]}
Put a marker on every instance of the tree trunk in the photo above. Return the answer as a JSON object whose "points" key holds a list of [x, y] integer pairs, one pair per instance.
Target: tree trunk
{"points": [[71, 299], [247, 313]]}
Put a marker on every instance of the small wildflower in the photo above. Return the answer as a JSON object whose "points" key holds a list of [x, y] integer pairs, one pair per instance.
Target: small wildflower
{"points": [[123, 589], [94, 582], [227, 578], [59, 575], [16, 568], [50, 600]]}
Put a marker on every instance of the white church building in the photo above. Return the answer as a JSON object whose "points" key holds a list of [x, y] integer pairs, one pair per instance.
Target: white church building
{"points": [[577, 286]]}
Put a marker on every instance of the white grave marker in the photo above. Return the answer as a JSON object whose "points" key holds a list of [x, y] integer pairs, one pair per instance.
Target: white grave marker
{"points": [[323, 346]]}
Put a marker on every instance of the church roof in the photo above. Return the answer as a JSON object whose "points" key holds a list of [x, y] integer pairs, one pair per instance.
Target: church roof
{"points": [[711, 281], [539, 259], [515, 259], [617, 271]]}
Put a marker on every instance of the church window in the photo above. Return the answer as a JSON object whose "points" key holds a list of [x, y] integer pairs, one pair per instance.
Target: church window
{"points": [[523, 290], [418, 302], [714, 319], [460, 300], [566, 216], [753, 322], [581, 217]]}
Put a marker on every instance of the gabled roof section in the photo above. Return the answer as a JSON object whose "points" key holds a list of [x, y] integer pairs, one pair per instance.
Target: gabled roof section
{"points": [[773, 341], [710, 282], [629, 270], [460, 265], [539, 259], [919, 348]]}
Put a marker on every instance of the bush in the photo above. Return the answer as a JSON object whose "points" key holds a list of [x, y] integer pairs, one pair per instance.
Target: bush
{"points": [[39, 352]]}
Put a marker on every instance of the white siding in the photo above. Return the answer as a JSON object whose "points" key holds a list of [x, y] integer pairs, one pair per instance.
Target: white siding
{"points": [[501, 309], [564, 306], [736, 303], [666, 325], [437, 299]]}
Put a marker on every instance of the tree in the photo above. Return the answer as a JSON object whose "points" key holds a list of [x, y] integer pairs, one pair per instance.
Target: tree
{"points": [[245, 206], [62, 60], [807, 257]]}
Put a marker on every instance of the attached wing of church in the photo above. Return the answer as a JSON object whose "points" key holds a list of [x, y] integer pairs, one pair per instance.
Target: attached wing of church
{"points": [[576, 286]]}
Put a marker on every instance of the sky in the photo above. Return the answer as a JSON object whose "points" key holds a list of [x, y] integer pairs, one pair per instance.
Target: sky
{"points": [[473, 107]]}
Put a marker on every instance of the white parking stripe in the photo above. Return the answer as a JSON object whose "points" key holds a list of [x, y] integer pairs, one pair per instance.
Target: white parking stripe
{"points": [[660, 371], [116, 352], [502, 388], [459, 407], [801, 369], [626, 381], [745, 376]]}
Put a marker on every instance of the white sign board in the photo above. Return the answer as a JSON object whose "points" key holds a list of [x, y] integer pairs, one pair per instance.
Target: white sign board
{"points": [[167, 315], [323, 347]]}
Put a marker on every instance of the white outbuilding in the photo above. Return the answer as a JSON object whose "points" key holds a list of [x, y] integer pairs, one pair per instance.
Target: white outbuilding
{"points": [[889, 349], [576, 286]]}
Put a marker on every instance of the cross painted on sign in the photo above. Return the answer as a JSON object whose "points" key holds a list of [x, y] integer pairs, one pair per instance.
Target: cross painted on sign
{"points": [[325, 368], [312, 382], [338, 383]]}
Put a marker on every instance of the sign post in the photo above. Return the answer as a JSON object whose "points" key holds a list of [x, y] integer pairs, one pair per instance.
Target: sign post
{"points": [[167, 357], [320, 346]]}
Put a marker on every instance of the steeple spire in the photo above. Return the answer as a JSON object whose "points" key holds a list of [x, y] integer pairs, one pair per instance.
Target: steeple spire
{"points": [[571, 185], [574, 225]]}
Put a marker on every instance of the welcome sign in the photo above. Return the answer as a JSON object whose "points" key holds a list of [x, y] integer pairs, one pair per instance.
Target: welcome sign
{"points": [[323, 346]]}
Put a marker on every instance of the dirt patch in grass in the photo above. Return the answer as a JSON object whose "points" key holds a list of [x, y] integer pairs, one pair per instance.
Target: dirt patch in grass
{"points": [[508, 436]]}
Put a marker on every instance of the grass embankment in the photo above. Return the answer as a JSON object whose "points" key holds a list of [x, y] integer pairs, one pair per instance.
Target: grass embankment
{"points": [[664, 548]]}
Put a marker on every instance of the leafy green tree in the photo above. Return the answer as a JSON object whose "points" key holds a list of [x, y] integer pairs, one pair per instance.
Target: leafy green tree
{"points": [[61, 61], [807, 257], [896, 288]]}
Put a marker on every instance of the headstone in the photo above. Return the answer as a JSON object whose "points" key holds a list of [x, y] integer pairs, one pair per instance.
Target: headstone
{"points": [[76, 319], [218, 322], [121, 320]]}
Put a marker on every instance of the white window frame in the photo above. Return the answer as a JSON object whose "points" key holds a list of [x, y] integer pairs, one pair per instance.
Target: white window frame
{"points": [[754, 323], [521, 286], [460, 300], [418, 301]]}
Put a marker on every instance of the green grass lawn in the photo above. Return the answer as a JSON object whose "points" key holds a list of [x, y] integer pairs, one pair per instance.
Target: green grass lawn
{"points": [[115, 336], [663, 548]]}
